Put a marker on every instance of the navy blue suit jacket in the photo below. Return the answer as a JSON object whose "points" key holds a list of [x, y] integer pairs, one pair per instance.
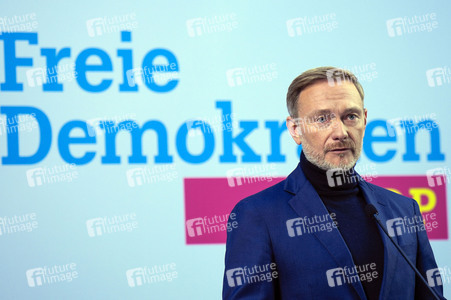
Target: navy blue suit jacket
{"points": [[263, 244]]}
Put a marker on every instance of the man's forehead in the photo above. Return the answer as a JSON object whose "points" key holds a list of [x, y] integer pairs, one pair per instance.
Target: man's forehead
{"points": [[322, 90], [323, 96]]}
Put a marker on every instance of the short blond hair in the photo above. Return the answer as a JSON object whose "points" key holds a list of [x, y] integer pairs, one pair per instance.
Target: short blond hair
{"points": [[312, 76]]}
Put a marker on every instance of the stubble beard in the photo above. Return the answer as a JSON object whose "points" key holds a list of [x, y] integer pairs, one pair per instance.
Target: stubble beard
{"points": [[319, 159]]}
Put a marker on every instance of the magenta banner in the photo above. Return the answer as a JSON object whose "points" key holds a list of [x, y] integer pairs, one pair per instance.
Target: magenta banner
{"points": [[209, 202]]}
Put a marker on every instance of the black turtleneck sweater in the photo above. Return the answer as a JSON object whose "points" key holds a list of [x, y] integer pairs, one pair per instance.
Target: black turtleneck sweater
{"points": [[358, 231]]}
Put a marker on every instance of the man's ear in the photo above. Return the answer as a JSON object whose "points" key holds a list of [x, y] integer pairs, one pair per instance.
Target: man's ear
{"points": [[294, 129], [366, 115]]}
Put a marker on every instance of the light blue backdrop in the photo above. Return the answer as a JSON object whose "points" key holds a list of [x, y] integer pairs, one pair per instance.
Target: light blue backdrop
{"points": [[235, 34]]}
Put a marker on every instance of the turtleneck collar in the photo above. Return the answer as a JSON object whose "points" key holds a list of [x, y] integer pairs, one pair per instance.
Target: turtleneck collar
{"points": [[319, 179]]}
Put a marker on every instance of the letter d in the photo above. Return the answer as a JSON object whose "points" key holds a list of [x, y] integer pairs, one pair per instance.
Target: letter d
{"points": [[14, 158]]}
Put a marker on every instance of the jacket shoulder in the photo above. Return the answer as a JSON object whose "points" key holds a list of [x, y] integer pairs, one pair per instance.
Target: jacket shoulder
{"points": [[392, 197], [265, 199]]}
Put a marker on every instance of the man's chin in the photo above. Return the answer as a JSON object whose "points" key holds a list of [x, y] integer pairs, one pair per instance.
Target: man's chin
{"points": [[344, 167], [346, 162], [330, 160]]}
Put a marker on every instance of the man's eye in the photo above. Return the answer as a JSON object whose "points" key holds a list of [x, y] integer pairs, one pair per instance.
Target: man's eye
{"points": [[352, 117], [321, 119]]}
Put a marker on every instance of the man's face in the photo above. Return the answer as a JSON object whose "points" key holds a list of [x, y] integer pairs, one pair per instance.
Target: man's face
{"points": [[330, 125]]}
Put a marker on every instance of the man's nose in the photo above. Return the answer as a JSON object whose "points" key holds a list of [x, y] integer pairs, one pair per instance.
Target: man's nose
{"points": [[339, 130]]}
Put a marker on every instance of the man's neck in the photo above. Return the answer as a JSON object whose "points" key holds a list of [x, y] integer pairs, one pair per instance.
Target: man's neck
{"points": [[328, 181]]}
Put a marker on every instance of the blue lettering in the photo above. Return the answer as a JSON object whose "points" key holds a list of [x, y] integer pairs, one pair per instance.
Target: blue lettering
{"points": [[127, 63], [228, 141], [12, 62], [111, 129], [209, 143], [160, 70], [160, 78], [411, 129], [64, 141], [136, 136], [369, 139], [53, 58], [14, 158], [81, 67], [276, 130]]}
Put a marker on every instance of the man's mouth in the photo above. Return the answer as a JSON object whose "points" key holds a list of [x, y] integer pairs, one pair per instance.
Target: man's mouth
{"points": [[340, 150]]}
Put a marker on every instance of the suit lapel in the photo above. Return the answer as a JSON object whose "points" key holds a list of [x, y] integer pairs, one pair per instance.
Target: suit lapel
{"points": [[307, 203], [390, 253]]}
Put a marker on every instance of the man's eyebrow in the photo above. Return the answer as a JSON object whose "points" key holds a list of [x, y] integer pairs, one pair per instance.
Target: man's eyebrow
{"points": [[320, 112], [354, 109]]}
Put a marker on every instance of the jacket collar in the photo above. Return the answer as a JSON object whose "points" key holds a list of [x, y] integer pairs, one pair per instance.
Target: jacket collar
{"points": [[307, 203], [390, 253]]}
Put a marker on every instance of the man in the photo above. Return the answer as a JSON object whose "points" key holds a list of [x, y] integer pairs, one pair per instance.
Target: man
{"points": [[309, 237]]}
